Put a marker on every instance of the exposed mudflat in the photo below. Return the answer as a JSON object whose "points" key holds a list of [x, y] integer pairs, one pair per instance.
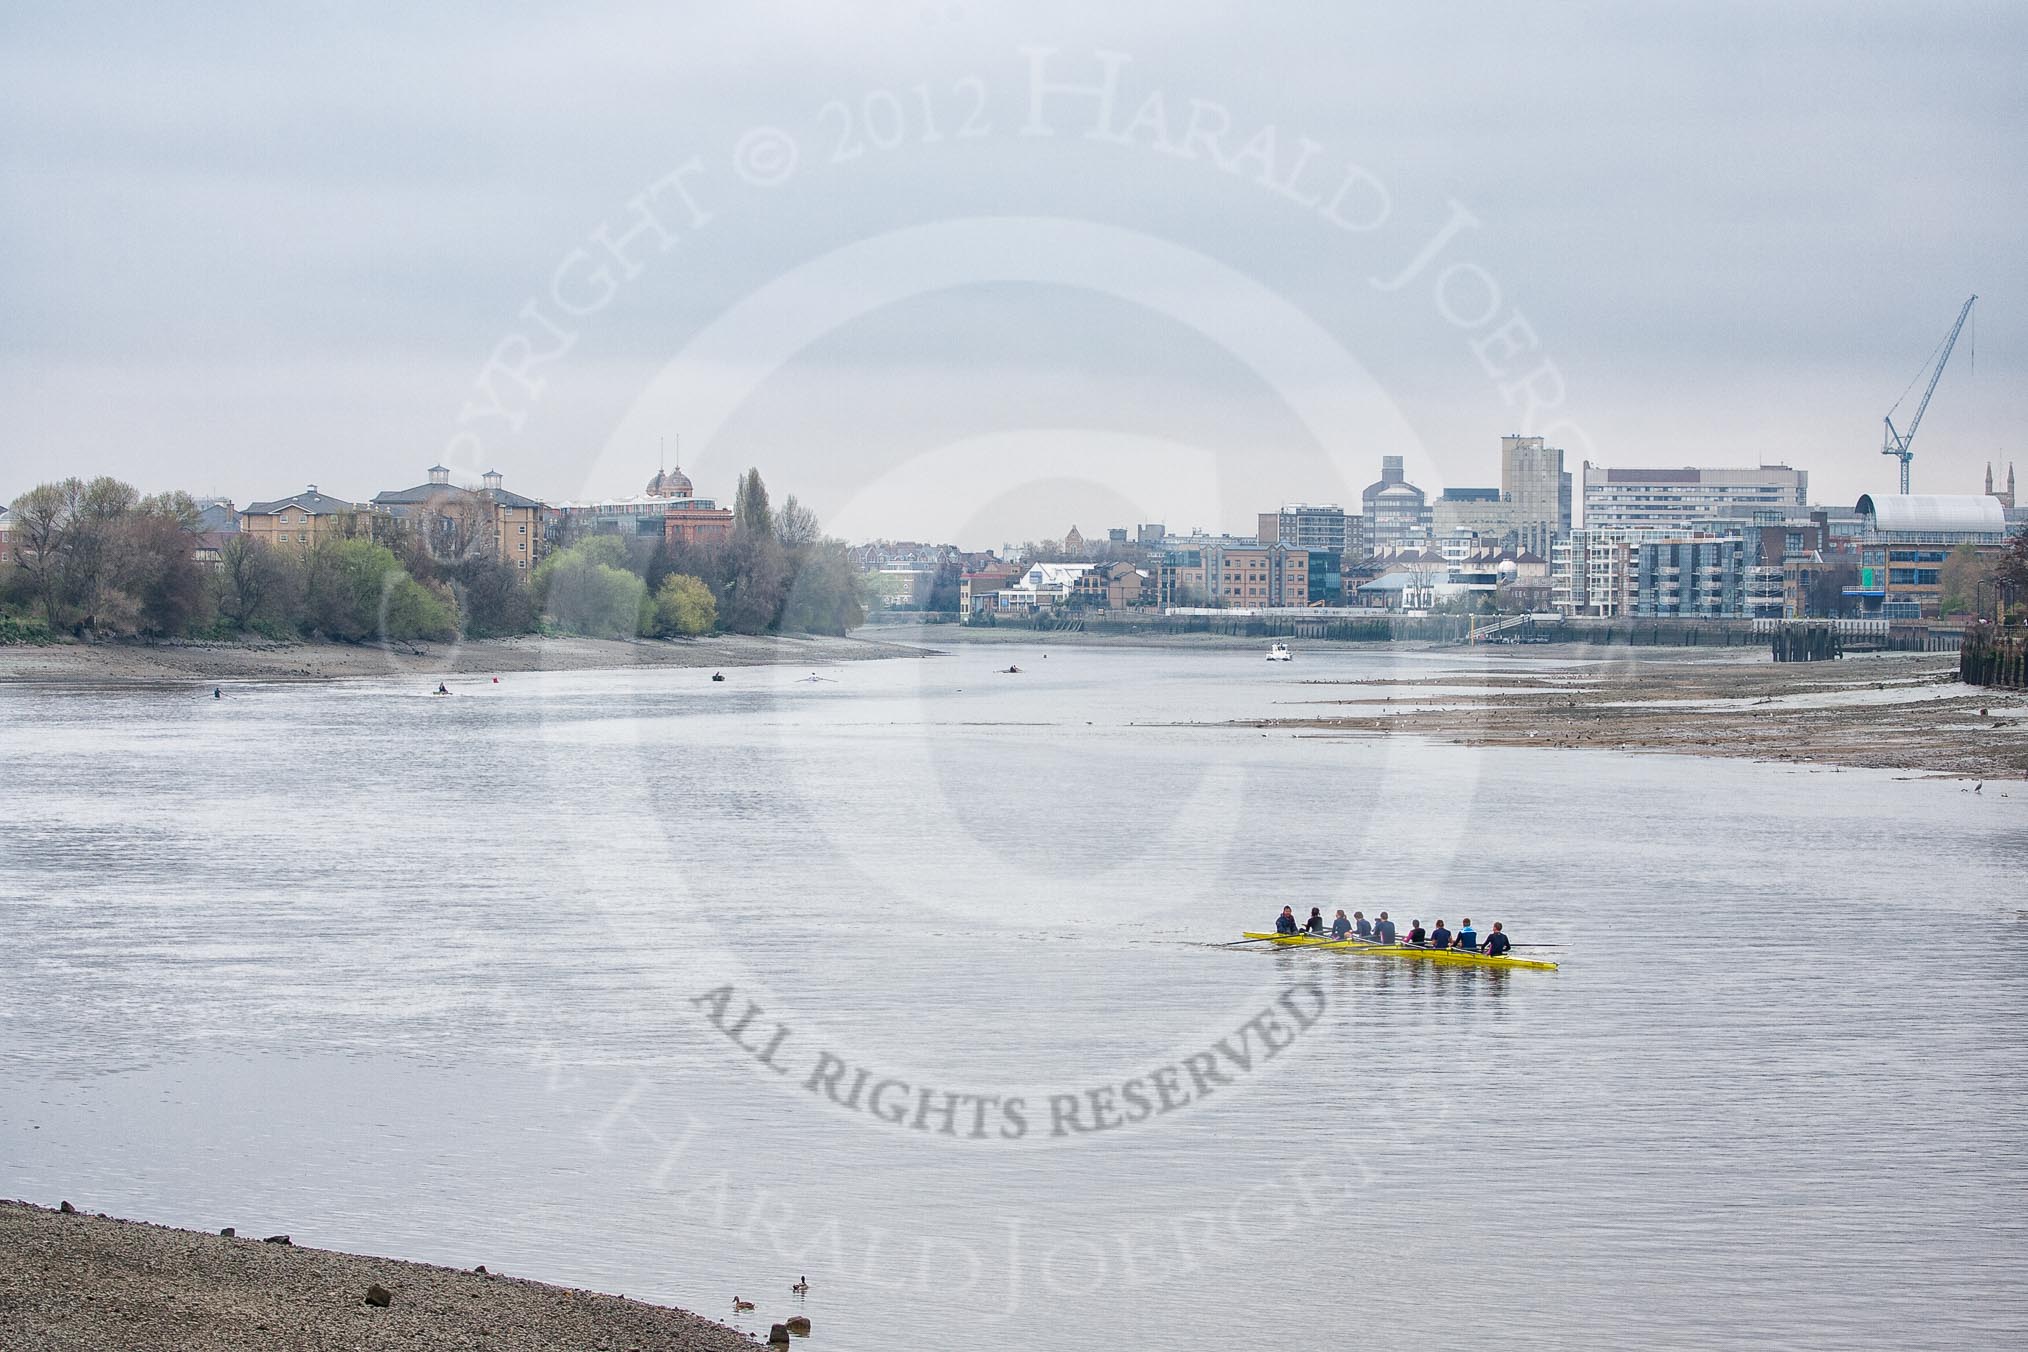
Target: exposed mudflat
{"points": [[1890, 711], [121, 663]]}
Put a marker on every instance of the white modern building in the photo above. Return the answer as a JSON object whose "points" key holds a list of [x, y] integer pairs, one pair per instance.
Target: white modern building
{"points": [[1592, 573], [1043, 586], [1674, 501]]}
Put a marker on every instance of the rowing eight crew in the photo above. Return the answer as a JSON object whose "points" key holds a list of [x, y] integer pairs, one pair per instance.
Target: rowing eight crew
{"points": [[1382, 931]]}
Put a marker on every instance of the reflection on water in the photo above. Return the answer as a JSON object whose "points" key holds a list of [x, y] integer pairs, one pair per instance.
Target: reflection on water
{"points": [[447, 979]]}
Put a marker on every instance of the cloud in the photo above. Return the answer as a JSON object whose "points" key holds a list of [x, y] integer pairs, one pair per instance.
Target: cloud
{"points": [[244, 240]]}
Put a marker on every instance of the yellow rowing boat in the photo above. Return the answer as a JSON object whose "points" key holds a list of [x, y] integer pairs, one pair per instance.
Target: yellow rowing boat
{"points": [[1453, 957]]}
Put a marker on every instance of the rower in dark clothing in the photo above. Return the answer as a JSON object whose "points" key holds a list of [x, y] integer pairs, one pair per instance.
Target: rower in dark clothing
{"points": [[1439, 937], [1315, 924], [1496, 942], [1285, 923], [1417, 935], [1361, 924], [1468, 938], [1341, 927], [1383, 929]]}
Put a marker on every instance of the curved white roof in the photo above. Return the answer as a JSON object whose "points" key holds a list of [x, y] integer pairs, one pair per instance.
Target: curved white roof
{"points": [[1934, 512]]}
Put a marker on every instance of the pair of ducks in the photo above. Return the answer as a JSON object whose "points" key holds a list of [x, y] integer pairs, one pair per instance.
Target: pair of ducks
{"points": [[801, 1288]]}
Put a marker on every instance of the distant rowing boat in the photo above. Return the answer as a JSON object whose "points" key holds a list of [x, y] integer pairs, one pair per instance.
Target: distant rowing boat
{"points": [[1455, 957]]}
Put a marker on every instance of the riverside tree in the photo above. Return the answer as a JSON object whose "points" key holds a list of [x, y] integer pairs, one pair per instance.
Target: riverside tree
{"points": [[756, 573], [589, 589], [827, 593], [781, 573], [99, 557], [492, 602], [356, 590], [1961, 578], [684, 606], [157, 580], [255, 586], [94, 556], [2013, 570], [63, 540]]}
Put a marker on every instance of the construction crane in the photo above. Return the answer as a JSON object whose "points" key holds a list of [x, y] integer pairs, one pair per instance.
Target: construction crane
{"points": [[1901, 445]]}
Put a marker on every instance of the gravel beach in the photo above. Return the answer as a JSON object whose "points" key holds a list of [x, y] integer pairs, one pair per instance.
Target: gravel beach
{"points": [[79, 1283]]}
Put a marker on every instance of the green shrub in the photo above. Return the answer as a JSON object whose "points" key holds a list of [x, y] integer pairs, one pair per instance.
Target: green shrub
{"points": [[684, 605], [358, 590], [18, 630], [587, 590]]}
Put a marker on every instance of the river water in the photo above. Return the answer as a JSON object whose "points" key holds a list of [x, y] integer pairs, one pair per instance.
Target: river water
{"points": [[905, 979]]}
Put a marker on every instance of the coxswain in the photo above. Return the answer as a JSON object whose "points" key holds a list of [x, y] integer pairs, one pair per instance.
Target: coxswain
{"points": [[1285, 923], [1496, 942], [1341, 927], [1439, 937], [1468, 938], [1361, 924], [1315, 924], [1383, 929], [1417, 935]]}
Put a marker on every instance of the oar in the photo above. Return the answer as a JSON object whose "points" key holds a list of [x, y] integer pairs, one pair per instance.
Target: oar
{"points": [[1264, 939]]}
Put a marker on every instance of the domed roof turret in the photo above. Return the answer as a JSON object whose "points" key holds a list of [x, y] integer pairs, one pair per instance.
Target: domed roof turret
{"points": [[670, 483]]}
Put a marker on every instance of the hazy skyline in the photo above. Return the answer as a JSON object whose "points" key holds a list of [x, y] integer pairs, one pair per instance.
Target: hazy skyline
{"points": [[886, 261]]}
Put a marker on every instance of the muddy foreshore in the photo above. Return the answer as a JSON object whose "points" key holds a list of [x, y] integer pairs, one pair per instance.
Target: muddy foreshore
{"points": [[177, 663], [1882, 711], [81, 1283]]}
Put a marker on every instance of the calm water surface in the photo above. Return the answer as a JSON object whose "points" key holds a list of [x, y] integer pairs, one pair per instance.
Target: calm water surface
{"points": [[453, 979]]}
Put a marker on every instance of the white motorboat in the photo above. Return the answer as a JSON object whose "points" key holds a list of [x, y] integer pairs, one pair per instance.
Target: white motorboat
{"points": [[1280, 653]]}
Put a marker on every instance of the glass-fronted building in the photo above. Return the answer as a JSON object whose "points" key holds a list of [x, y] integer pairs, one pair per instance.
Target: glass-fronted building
{"points": [[1904, 541]]}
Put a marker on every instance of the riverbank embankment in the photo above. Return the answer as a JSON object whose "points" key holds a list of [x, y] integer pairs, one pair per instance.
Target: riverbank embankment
{"points": [[82, 1283]]}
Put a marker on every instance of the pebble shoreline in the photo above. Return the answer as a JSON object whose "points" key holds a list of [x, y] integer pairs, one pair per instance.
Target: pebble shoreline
{"points": [[85, 1283]]}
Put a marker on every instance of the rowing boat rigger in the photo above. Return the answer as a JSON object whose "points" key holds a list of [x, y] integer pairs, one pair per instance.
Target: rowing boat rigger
{"points": [[1454, 957]]}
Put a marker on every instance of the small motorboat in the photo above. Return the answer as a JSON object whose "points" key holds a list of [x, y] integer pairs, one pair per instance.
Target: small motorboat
{"points": [[1280, 653]]}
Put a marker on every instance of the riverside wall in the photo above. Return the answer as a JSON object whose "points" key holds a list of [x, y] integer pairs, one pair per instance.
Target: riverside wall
{"points": [[1383, 627], [1994, 657]]}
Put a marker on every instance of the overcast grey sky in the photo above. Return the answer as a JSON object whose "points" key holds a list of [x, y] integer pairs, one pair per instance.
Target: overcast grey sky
{"points": [[251, 247]]}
